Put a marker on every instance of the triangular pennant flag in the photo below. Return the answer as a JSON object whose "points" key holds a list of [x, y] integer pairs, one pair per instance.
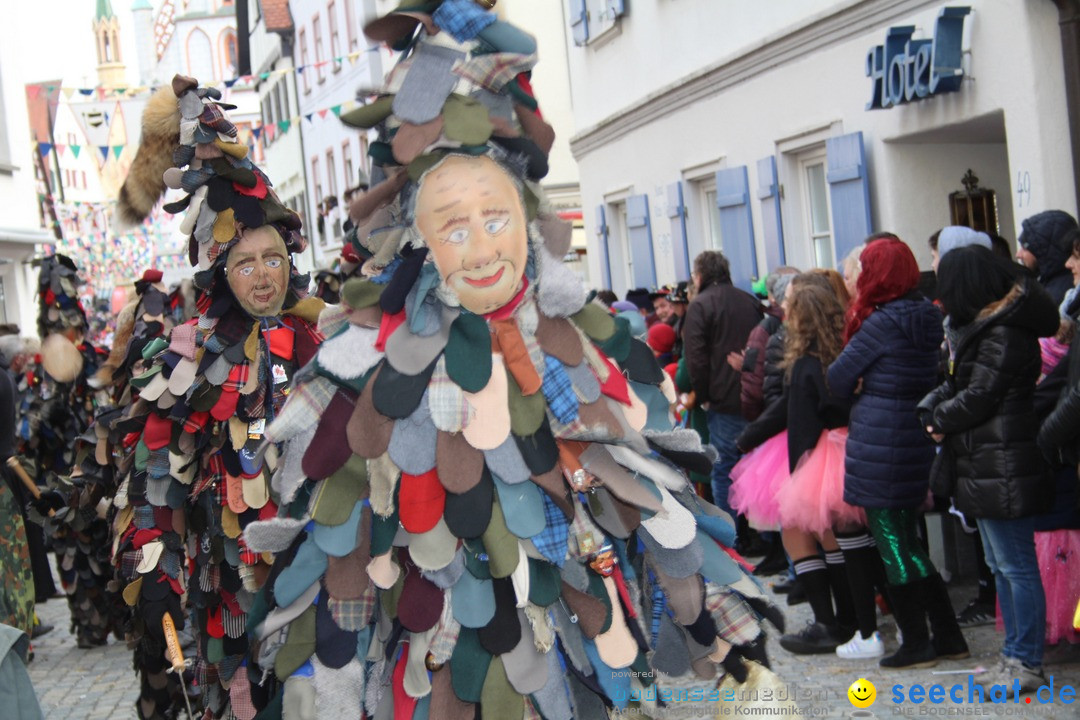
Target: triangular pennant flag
{"points": [[87, 91], [75, 150], [50, 88], [308, 117], [300, 68], [104, 152], [33, 91], [101, 93], [116, 150], [336, 109], [256, 131], [60, 149], [284, 125], [121, 91], [44, 149], [322, 113], [353, 56], [68, 92], [230, 83], [264, 76]]}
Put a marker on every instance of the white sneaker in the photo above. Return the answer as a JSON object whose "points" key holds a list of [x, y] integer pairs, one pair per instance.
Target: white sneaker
{"points": [[857, 648]]}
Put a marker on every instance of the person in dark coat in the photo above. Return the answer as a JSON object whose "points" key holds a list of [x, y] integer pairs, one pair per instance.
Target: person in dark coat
{"points": [[718, 321], [984, 415], [1044, 246], [891, 358], [750, 362]]}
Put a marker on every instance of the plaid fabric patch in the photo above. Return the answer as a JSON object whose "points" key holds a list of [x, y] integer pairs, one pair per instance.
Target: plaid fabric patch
{"points": [[128, 562], [306, 404], [559, 391], [209, 578], [352, 615], [143, 517], [463, 19], [446, 634], [735, 621], [240, 698], [213, 473], [228, 666], [158, 464], [495, 70], [446, 402], [551, 541], [213, 117], [370, 600], [238, 377], [170, 564]]}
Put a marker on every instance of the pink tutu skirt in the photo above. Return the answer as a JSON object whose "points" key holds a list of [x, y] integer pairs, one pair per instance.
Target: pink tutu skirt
{"points": [[813, 498], [757, 478], [1058, 552]]}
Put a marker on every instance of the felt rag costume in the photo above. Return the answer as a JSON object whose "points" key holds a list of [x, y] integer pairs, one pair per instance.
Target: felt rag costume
{"points": [[193, 474], [487, 504]]}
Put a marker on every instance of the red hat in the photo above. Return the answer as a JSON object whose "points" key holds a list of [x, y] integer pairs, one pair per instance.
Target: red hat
{"points": [[661, 337], [152, 275]]}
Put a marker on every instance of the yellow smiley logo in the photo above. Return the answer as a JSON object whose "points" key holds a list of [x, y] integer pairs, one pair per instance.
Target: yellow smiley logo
{"points": [[862, 693]]}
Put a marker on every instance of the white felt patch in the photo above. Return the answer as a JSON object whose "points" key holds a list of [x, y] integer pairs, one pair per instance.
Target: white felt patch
{"points": [[560, 292], [675, 530], [350, 354], [655, 470], [274, 535]]}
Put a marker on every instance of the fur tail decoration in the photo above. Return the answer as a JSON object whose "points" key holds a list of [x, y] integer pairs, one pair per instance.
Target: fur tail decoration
{"points": [[125, 326], [144, 185]]}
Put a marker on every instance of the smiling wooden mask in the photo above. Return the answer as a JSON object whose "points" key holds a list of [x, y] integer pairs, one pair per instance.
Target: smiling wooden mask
{"points": [[257, 271], [471, 216]]}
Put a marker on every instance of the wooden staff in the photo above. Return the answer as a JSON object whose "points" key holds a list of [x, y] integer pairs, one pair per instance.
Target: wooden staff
{"points": [[20, 471]]}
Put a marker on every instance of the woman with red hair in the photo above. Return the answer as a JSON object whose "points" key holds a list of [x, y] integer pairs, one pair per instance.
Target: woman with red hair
{"points": [[893, 338]]}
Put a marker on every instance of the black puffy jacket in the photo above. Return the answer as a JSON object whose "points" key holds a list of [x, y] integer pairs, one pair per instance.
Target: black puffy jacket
{"points": [[986, 411], [772, 385]]}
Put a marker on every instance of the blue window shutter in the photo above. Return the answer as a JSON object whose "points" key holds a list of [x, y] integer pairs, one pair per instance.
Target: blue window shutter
{"points": [[849, 190], [639, 231], [676, 211], [579, 21], [737, 225], [602, 246], [772, 229]]}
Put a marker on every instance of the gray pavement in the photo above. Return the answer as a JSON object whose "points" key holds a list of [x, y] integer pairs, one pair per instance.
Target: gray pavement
{"points": [[96, 684]]}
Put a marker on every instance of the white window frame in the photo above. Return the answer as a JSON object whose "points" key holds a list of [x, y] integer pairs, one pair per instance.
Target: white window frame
{"points": [[619, 257], [806, 161]]}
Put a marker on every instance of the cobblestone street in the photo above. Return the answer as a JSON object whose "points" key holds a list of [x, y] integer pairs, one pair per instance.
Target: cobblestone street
{"points": [[75, 684]]}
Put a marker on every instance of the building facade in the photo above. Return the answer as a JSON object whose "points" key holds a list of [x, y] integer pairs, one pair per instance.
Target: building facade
{"points": [[20, 228], [787, 133], [340, 65]]}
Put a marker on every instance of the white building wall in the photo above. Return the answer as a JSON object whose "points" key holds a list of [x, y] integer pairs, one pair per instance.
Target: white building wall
{"points": [[332, 146], [20, 228], [794, 85]]}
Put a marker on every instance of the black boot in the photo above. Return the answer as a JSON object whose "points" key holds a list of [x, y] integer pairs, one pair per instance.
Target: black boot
{"points": [[910, 615], [775, 561], [948, 640]]}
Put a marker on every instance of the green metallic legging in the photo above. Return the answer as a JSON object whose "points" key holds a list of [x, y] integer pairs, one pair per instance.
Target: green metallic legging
{"points": [[903, 555]]}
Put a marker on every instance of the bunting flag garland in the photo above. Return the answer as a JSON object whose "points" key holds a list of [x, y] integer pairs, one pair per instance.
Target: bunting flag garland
{"points": [[270, 129], [102, 92]]}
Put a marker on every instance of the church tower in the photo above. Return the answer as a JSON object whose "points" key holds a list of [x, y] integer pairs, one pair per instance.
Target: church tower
{"points": [[110, 68]]}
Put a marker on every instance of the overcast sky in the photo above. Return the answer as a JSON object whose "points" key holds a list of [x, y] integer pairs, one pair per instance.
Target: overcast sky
{"points": [[63, 44]]}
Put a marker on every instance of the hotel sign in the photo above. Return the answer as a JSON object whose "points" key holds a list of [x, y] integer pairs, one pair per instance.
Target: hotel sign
{"points": [[905, 70]]}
